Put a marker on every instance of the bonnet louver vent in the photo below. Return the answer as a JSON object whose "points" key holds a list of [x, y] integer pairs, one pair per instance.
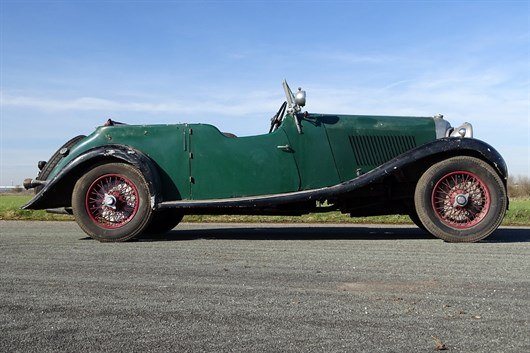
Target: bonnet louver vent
{"points": [[376, 150]]}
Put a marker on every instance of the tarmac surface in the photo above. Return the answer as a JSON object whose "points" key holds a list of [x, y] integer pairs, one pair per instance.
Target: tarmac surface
{"points": [[262, 287]]}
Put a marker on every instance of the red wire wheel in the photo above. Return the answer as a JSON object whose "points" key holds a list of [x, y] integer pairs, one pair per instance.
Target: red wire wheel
{"points": [[112, 201], [461, 199]]}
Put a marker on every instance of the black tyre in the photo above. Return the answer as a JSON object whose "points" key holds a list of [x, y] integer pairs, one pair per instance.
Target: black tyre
{"points": [[163, 221], [54, 160], [413, 215], [461, 199], [111, 202]]}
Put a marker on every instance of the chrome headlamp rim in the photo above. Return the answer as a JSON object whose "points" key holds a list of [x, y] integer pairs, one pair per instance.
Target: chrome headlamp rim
{"points": [[464, 131], [444, 129]]}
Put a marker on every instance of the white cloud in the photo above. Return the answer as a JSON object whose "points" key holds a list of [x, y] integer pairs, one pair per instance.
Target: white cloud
{"points": [[226, 104], [459, 95]]}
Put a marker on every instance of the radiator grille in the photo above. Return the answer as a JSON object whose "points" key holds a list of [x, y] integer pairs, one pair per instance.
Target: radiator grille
{"points": [[376, 150]]}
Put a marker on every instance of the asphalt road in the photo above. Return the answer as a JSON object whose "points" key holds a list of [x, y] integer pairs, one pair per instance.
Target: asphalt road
{"points": [[219, 287]]}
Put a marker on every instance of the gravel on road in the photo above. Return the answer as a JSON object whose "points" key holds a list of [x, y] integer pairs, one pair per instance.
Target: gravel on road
{"points": [[263, 287]]}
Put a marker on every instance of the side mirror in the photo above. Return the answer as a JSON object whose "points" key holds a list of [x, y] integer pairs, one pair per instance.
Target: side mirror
{"points": [[299, 97]]}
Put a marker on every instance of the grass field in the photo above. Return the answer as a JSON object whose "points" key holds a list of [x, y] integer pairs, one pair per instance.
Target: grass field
{"points": [[519, 214]]}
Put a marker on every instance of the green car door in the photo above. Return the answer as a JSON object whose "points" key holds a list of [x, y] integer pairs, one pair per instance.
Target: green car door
{"points": [[226, 167], [312, 151]]}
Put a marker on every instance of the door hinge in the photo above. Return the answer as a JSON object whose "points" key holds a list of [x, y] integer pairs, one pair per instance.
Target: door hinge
{"points": [[192, 180], [191, 155], [191, 131]]}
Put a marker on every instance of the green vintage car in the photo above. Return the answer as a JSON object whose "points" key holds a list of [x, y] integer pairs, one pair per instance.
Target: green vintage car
{"points": [[122, 181]]}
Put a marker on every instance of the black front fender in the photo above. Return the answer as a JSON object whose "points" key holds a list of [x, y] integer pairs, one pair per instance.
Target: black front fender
{"points": [[447, 147], [58, 191]]}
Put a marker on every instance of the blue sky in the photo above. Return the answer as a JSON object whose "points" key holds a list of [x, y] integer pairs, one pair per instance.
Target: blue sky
{"points": [[67, 66]]}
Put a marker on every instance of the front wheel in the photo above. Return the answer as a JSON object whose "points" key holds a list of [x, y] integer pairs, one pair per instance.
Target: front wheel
{"points": [[111, 202], [461, 199]]}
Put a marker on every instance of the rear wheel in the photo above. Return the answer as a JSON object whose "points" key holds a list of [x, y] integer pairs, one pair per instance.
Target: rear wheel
{"points": [[461, 199], [111, 202]]}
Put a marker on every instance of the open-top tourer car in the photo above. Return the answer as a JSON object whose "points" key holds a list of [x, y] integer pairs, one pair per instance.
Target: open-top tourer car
{"points": [[122, 181]]}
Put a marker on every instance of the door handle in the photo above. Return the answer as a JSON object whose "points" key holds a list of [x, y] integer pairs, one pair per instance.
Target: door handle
{"points": [[285, 148]]}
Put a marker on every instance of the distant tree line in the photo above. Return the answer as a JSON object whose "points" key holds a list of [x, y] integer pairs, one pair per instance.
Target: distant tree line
{"points": [[519, 186]]}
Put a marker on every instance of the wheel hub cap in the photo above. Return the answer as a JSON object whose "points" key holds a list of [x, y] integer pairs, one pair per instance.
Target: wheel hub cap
{"points": [[112, 201], [109, 201], [461, 199]]}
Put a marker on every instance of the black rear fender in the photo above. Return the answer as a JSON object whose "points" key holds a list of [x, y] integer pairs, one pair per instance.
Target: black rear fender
{"points": [[58, 191]]}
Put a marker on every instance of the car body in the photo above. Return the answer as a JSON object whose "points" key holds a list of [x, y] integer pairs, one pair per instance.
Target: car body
{"points": [[125, 180]]}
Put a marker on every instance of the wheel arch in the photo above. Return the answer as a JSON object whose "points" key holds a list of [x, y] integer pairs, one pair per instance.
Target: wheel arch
{"points": [[459, 147], [58, 191], [428, 155]]}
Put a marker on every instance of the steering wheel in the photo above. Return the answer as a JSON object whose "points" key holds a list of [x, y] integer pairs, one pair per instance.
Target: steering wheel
{"points": [[276, 120]]}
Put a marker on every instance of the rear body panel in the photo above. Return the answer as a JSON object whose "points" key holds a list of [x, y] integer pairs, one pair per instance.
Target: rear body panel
{"points": [[163, 144]]}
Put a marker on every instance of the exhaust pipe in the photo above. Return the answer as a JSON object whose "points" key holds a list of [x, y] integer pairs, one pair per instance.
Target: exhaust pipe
{"points": [[32, 183]]}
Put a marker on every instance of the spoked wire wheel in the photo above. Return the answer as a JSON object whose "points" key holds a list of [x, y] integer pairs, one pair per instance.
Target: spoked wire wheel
{"points": [[112, 201], [461, 199]]}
